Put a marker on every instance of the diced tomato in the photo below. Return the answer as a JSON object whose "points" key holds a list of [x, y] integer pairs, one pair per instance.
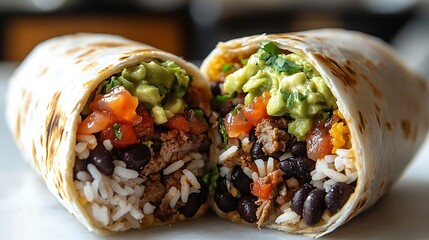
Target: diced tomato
{"points": [[94, 123], [128, 136], [178, 122], [257, 109], [319, 142], [262, 190], [197, 123], [236, 124], [120, 104], [145, 128]]}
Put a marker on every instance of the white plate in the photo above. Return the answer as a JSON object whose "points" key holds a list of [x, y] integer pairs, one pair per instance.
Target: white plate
{"points": [[29, 211]]}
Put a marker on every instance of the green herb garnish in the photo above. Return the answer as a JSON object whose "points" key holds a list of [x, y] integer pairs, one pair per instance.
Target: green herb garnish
{"points": [[117, 129], [290, 98], [209, 178], [224, 98], [111, 83], [222, 131], [226, 67], [236, 110], [271, 57]]}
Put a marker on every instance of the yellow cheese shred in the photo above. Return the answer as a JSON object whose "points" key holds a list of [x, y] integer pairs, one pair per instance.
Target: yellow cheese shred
{"points": [[340, 133]]}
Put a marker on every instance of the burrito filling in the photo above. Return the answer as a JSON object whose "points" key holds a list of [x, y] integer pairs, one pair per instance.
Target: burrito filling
{"points": [[141, 147], [287, 155]]}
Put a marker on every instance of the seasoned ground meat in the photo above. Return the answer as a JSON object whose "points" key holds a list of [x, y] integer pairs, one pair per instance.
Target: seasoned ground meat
{"points": [[154, 190], [272, 134], [239, 158], [172, 180], [264, 211], [175, 147]]}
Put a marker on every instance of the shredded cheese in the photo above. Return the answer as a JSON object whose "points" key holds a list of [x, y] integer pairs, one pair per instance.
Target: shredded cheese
{"points": [[340, 133]]}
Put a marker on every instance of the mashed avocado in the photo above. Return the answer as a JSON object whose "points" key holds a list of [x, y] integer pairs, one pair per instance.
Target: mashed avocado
{"points": [[297, 90], [159, 85]]}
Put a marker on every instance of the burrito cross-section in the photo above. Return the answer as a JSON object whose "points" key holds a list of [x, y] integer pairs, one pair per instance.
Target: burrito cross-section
{"points": [[118, 130], [314, 127]]}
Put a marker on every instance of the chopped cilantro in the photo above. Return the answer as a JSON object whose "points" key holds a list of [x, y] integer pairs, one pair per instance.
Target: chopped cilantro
{"points": [[111, 83], [270, 56], [236, 110], [117, 129], [270, 47], [224, 98], [226, 67], [222, 131]]}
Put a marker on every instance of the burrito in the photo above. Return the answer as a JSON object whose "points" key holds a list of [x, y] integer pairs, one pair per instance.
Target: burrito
{"points": [[118, 130], [314, 127]]}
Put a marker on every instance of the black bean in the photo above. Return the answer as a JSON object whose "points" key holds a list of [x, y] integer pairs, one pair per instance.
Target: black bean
{"points": [[241, 181], [221, 185], [102, 159], [204, 145], [299, 198], [79, 165], [215, 88], [299, 167], [136, 156], [298, 149], [252, 135], [247, 208], [338, 196], [226, 202], [192, 205], [314, 206], [257, 152]]}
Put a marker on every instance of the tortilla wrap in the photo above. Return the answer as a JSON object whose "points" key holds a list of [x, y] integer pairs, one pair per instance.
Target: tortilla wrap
{"points": [[46, 96], [383, 104]]}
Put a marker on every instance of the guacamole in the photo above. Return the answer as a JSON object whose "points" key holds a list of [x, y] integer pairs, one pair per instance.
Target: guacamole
{"points": [[297, 90], [159, 85]]}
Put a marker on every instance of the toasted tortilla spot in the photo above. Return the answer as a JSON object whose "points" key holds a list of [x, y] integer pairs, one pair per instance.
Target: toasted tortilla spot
{"points": [[73, 50], [378, 120], [86, 54], [362, 122], [406, 128], [102, 71], [110, 44], [388, 126], [27, 101], [42, 72], [375, 90], [89, 66], [124, 57], [18, 125], [341, 72]]}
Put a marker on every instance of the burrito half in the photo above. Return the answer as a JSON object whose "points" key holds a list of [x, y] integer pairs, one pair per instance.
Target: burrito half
{"points": [[117, 129], [315, 127]]}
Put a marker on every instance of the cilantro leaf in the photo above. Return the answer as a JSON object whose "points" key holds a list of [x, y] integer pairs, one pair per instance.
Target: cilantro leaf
{"points": [[226, 67], [270, 47], [222, 131], [224, 98], [117, 129]]}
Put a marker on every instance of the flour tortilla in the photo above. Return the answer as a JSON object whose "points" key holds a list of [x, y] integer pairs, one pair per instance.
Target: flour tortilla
{"points": [[48, 92], [384, 104]]}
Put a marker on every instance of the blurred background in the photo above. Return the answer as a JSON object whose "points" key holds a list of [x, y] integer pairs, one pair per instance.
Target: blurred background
{"points": [[191, 28]]}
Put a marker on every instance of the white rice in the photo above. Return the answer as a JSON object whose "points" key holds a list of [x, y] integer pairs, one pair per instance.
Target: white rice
{"points": [[261, 167], [83, 176], [117, 188], [255, 176], [184, 188], [174, 194], [270, 165], [90, 139], [108, 145], [248, 172], [93, 171], [125, 172], [285, 156], [225, 172], [227, 153], [288, 217], [173, 167], [81, 147], [101, 214], [192, 179], [120, 212], [87, 190], [148, 208], [246, 145], [136, 214], [333, 169]]}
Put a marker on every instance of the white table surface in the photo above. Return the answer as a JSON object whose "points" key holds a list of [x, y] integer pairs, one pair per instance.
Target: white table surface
{"points": [[29, 211]]}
